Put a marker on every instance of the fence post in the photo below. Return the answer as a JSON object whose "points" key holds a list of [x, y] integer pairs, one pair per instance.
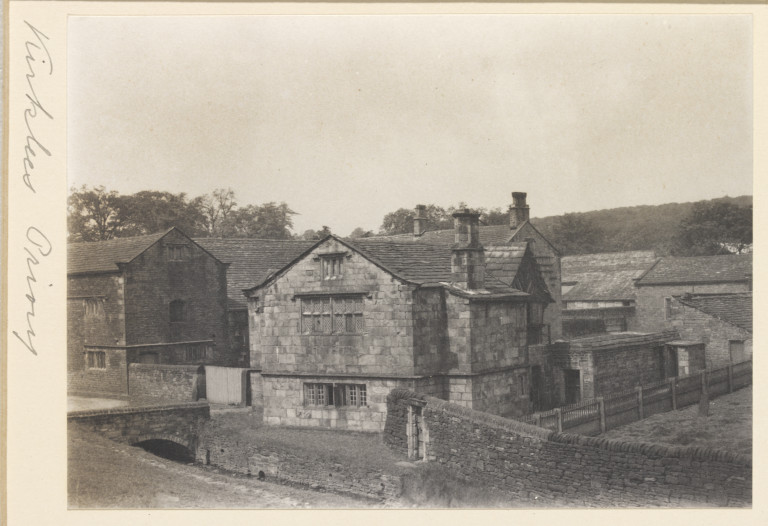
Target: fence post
{"points": [[730, 377], [559, 415], [538, 419], [673, 386], [601, 407], [639, 389]]}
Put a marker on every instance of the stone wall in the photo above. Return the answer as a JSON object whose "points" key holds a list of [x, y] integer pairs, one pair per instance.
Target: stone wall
{"points": [[430, 332], [178, 423], [693, 324], [383, 347], [168, 383], [111, 381], [94, 316], [650, 311], [530, 462], [277, 462], [285, 403], [200, 281], [548, 260]]}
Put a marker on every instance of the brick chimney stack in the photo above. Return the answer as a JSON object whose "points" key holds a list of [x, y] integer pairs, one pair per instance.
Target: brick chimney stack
{"points": [[420, 221], [468, 258], [519, 212]]}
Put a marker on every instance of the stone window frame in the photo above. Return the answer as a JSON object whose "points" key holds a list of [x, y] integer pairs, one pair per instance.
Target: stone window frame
{"points": [[93, 307], [339, 395], [177, 251], [332, 314], [668, 308], [95, 360], [332, 265]]}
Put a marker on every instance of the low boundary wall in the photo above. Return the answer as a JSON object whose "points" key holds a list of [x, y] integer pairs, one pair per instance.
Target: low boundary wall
{"points": [[530, 462], [167, 383], [275, 462]]}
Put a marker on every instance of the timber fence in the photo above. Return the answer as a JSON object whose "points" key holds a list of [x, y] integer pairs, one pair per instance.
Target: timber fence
{"points": [[597, 415]]}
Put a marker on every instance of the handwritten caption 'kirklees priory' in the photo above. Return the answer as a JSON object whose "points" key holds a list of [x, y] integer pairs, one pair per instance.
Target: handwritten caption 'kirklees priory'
{"points": [[36, 246]]}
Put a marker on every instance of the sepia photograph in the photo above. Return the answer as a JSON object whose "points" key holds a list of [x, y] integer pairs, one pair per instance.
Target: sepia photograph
{"points": [[435, 261]]}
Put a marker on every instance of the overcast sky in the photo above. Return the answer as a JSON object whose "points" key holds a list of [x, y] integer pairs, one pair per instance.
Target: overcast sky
{"points": [[346, 118]]}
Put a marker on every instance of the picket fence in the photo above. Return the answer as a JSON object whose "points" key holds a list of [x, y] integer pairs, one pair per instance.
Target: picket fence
{"points": [[597, 415]]}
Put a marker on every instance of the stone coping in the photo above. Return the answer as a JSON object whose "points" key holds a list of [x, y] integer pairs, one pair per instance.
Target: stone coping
{"points": [[136, 409]]}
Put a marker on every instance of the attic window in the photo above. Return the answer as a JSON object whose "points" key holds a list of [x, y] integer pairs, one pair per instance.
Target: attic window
{"points": [[332, 266], [177, 252]]}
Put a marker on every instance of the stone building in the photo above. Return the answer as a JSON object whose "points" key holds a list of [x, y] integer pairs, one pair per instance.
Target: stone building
{"points": [[157, 299], [675, 276], [721, 322], [519, 229], [347, 321], [605, 364], [599, 291], [249, 262]]}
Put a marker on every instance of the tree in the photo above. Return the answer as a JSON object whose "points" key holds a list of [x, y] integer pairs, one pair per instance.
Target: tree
{"points": [[151, 211], [268, 221], [401, 221], [94, 214], [575, 234], [360, 232], [216, 207], [714, 228]]}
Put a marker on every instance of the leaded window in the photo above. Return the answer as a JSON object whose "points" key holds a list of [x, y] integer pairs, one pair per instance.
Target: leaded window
{"points": [[332, 315]]}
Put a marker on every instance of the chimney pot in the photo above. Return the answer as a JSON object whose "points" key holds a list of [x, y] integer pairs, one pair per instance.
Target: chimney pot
{"points": [[519, 212], [420, 220], [468, 258]]}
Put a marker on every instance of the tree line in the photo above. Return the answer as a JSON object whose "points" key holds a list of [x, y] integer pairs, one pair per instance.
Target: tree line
{"points": [[716, 226]]}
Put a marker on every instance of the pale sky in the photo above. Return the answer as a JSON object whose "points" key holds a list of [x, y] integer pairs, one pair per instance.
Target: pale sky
{"points": [[346, 118]]}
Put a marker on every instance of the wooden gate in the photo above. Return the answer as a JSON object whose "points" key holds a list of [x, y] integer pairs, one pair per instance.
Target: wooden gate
{"points": [[226, 385]]}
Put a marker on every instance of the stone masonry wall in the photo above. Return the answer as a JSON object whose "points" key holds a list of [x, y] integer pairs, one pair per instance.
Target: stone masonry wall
{"points": [[549, 262], [112, 381], [177, 423], [199, 280], [616, 371], [502, 393], [285, 404], [383, 347], [430, 332], [650, 306], [168, 383], [530, 462], [692, 324], [94, 316], [498, 335], [281, 463]]}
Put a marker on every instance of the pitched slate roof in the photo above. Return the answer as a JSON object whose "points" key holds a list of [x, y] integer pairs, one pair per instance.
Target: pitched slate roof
{"points": [[251, 261], [489, 235], [735, 308], [503, 261], [605, 277], [701, 269], [420, 263], [103, 256]]}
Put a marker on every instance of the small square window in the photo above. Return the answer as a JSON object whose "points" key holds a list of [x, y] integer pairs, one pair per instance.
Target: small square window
{"points": [[332, 267], [96, 359], [177, 252]]}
